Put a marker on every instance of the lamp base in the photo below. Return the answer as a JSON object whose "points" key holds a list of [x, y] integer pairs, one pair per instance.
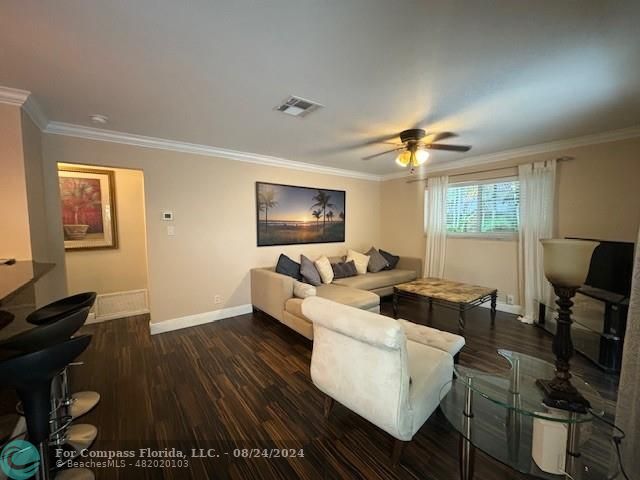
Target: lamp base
{"points": [[563, 396]]}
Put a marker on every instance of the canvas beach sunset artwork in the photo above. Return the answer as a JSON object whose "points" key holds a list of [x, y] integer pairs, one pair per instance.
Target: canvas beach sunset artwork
{"points": [[288, 215]]}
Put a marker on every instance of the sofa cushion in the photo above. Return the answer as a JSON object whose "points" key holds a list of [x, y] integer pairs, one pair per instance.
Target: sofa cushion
{"points": [[324, 269], [303, 290], [377, 262], [345, 295], [372, 281], [349, 296], [431, 337], [294, 306], [391, 259], [288, 267], [344, 270], [309, 272], [360, 259]]}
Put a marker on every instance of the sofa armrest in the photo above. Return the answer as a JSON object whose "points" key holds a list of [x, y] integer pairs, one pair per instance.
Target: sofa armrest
{"points": [[431, 337], [270, 291], [411, 263]]}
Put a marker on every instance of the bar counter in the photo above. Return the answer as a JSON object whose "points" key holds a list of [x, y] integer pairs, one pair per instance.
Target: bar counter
{"points": [[17, 296]]}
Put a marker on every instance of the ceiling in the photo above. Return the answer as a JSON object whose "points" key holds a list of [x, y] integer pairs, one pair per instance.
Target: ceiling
{"points": [[502, 74]]}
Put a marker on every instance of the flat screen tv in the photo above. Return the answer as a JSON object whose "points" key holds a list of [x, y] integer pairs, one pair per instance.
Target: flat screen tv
{"points": [[611, 266]]}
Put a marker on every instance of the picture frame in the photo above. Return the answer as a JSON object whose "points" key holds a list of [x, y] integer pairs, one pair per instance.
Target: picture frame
{"points": [[87, 198], [298, 215]]}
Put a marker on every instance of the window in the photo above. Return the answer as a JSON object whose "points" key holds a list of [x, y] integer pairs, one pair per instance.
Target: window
{"points": [[484, 208]]}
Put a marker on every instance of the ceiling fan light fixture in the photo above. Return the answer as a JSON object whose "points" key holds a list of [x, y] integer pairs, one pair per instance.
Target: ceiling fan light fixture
{"points": [[420, 157], [404, 158]]}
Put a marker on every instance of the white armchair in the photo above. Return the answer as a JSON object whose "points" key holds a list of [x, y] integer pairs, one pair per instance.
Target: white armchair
{"points": [[365, 362]]}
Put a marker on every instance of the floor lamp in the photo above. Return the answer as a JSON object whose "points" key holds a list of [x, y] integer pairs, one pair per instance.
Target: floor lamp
{"points": [[566, 264]]}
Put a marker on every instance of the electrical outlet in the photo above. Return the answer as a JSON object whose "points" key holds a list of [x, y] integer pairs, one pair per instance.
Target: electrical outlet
{"points": [[510, 299], [217, 299]]}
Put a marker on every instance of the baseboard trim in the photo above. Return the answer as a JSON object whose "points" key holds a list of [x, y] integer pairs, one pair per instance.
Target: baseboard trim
{"points": [[504, 307], [198, 319]]}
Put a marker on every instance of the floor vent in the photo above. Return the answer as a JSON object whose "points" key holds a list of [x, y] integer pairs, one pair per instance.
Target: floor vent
{"points": [[298, 107], [119, 304]]}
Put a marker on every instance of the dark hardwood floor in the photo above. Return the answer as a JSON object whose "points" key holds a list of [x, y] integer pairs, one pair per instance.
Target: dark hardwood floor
{"points": [[243, 383]]}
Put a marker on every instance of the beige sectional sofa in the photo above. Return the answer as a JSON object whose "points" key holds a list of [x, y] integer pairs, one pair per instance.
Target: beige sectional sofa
{"points": [[272, 293]]}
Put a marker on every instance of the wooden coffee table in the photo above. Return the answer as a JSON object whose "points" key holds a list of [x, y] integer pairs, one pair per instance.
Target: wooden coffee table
{"points": [[446, 293]]}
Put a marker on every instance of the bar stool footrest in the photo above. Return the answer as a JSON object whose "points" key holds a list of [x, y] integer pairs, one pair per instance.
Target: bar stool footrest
{"points": [[83, 402]]}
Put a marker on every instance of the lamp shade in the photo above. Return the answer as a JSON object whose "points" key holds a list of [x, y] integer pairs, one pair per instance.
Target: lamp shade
{"points": [[421, 157], [566, 262], [403, 158]]}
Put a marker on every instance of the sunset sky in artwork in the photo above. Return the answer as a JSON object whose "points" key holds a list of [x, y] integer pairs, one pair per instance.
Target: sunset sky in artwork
{"points": [[294, 203]]}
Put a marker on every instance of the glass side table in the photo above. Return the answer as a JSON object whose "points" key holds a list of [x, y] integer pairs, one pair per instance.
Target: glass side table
{"points": [[495, 413]]}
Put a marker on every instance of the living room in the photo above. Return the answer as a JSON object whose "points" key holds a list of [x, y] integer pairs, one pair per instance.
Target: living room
{"points": [[445, 155]]}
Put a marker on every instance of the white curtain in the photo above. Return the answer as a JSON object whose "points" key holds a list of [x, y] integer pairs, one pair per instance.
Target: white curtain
{"points": [[436, 225], [628, 407], [537, 197]]}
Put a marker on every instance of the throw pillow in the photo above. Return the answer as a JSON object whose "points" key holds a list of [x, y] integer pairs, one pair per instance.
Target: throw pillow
{"points": [[303, 290], [309, 272], [391, 259], [324, 269], [288, 267], [344, 269], [360, 259], [377, 262]]}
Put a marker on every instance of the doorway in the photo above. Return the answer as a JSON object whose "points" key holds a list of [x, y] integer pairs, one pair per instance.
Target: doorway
{"points": [[103, 216]]}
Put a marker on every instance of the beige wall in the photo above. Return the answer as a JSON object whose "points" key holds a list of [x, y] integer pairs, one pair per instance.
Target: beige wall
{"points": [[123, 268], [484, 262], [43, 244], [32, 150], [213, 201], [25, 233], [15, 238], [597, 197], [599, 192]]}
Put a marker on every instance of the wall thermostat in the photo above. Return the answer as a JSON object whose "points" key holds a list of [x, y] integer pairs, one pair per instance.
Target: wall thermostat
{"points": [[167, 216]]}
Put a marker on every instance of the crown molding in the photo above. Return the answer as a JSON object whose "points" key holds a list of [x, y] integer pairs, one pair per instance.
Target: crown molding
{"points": [[33, 109], [24, 99], [13, 96], [90, 133], [604, 137]]}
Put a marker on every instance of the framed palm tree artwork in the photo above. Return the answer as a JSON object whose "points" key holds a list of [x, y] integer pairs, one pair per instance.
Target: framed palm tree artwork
{"points": [[87, 198], [288, 215]]}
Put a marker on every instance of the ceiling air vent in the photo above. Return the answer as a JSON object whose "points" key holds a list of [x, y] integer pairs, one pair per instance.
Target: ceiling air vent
{"points": [[298, 107]]}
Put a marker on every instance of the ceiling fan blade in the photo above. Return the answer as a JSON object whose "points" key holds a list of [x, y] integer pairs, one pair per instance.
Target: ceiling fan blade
{"points": [[436, 137], [380, 139], [381, 153], [384, 139], [450, 148]]}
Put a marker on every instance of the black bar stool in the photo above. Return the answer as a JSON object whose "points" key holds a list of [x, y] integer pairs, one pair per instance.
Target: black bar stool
{"points": [[31, 375], [61, 308], [79, 403], [47, 334], [78, 436]]}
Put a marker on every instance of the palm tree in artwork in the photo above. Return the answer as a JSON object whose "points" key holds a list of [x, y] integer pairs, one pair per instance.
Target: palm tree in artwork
{"points": [[317, 214], [266, 200], [341, 215], [323, 201], [330, 216]]}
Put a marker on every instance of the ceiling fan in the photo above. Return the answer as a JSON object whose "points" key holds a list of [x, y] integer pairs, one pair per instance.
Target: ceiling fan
{"points": [[416, 144]]}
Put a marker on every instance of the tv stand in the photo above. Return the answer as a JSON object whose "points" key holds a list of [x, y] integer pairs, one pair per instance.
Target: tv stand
{"points": [[600, 322]]}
